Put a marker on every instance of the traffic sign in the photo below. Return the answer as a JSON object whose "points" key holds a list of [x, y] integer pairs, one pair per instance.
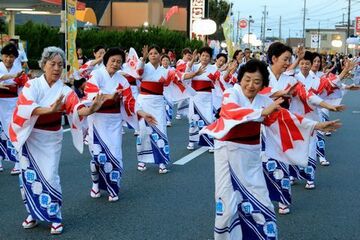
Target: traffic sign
{"points": [[243, 23]]}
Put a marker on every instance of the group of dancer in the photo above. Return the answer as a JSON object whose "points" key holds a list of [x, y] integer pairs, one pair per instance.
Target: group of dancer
{"points": [[266, 116]]}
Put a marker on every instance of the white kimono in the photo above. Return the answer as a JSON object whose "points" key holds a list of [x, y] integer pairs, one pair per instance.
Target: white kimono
{"points": [[105, 128], [243, 206], [8, 100], [39, 140], [152, 142], [201, 105]]}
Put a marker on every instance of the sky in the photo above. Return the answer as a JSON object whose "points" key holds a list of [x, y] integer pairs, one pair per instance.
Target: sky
{"points": [[327, 12]]}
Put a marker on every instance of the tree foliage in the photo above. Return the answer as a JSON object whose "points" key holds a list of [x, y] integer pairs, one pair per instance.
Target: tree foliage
{"points": [[218, 10], [39, 36]]}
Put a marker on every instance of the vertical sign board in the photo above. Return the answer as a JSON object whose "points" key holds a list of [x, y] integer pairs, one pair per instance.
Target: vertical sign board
{"points": [[357, 26], [315, 41], [197, 11], [71, 29]]}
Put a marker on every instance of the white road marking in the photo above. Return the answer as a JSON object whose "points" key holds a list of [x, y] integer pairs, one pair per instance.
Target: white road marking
{"points": [[191, 156]]}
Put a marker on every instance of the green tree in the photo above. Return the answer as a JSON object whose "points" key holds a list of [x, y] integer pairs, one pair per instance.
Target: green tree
{"points": [[218, 10]]}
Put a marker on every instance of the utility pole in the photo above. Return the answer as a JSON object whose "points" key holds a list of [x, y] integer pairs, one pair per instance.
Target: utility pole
{"points": [[237, 28], [280, 29], [304, 17], [348, 22], [264, 28], [319, 38]]}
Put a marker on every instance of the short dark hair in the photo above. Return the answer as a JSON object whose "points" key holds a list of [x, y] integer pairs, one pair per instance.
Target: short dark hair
{"points": [[164, 56], [10, 49], [186, 51], [236, 53], [222, 55], [78, 83], [97, 48], [276, 49], [154, 46], [308, 56], [252, 66], [112, 52], [207, 50]]}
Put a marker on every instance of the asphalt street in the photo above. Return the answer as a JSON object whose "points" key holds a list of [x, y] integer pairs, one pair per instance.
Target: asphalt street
{"points": [[180, 205]]}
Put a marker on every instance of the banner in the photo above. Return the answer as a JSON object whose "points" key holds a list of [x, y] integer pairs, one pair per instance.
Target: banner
{"points": [[171, 11], [197, 11], [357, 25], [228, 29], [71, 31]]}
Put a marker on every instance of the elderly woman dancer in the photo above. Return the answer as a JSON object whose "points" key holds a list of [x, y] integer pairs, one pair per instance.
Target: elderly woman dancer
{"points": [[243, 206], [36, 133]]}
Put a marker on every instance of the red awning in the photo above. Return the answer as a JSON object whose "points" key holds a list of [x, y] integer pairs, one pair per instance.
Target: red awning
{"points": [[80, 5]]}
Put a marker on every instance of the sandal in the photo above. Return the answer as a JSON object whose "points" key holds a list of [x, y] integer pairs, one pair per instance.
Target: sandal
{"points": [[27, 224], [56, 228], [95, 194], [141, 167], [284, 210], [310, 185]]}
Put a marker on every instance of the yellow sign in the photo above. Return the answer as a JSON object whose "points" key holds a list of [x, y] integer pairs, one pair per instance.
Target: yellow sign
{"points": [[71, 30]]}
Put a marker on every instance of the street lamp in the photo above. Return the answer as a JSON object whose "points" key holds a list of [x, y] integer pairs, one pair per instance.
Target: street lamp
{"points": [[204, 27], [249, 21]]}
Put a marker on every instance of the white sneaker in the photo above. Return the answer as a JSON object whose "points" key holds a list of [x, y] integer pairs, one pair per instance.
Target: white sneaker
{"points": [[178, 116], [328, 134], [136, 133], [168, 124], [190, 146], [113, 199], [56, 228], [211, 150], [141, 167]]}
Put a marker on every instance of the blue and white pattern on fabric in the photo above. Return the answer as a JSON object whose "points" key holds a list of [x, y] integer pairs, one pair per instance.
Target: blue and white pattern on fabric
{"points": [[41, 200], [160, 148], [7, 150], [110, 171], [320, 144], [257, 221], [277, 179], [169, 110], [234, 223], [198, 122], [301, 173]]}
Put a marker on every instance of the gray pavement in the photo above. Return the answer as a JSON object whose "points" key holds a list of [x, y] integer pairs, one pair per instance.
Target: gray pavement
{"points": [[179, 205]]}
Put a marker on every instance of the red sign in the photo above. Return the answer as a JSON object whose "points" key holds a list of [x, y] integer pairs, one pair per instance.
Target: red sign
{"points": [[357, 25], [242, 23]]}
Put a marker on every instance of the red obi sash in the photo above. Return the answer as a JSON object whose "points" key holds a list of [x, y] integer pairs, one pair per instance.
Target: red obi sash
{"points": [[12, 92], [245, 133], [110, 106], [202, 85], [49, 122], [131, 80], [152, 88]]}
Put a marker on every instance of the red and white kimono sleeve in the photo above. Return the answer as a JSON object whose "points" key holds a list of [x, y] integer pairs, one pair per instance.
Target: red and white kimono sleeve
{"points": [[177, 89], [22, 120], [231, 114], [92, 87], [288, 137]]}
